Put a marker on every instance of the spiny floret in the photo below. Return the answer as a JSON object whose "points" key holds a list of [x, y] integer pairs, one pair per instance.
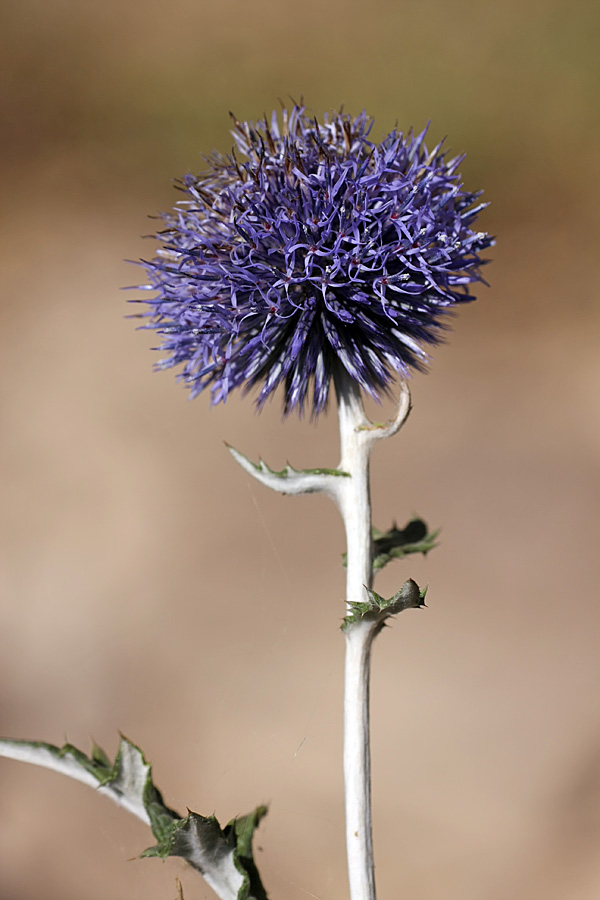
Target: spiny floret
{"points": [[316, 252]]}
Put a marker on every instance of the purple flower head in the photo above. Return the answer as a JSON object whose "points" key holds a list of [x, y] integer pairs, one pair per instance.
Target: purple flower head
{"points": [[316, 252]]}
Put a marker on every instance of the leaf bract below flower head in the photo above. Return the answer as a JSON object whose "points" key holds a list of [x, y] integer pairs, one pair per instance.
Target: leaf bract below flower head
{"points": [[312, 250]]}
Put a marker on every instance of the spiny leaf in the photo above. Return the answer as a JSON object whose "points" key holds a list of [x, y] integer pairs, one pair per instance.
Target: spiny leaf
{"points": [[397, 543], [244, 832], [99, 756], [127, 781], [290, 480], [377, 609], [290, 472], [223, 856]]}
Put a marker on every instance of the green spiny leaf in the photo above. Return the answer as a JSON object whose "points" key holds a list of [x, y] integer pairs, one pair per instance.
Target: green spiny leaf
{"points": [[290, 480], [223, 855], [99, 757], [127, 781], [245, 827], [397, 543], [377, 609], [288, 471]]}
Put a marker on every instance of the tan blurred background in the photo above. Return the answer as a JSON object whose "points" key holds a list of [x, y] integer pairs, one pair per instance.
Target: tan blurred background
{"points": [[149, 586]]}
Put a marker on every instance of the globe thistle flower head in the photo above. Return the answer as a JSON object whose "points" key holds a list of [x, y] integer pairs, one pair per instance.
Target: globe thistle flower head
{"points": [[312, 252]]}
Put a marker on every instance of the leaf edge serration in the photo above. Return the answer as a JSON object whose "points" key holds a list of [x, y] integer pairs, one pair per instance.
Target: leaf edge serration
{"points": [[128, 781], [376, 609]]}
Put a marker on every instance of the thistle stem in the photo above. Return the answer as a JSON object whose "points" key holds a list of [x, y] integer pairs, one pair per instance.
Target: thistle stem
{"points": [[357, 764], [355, 507], [348, 486]]}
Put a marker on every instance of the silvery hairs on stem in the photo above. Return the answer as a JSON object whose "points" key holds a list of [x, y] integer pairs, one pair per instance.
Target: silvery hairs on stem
{"points": [[310, 256]]}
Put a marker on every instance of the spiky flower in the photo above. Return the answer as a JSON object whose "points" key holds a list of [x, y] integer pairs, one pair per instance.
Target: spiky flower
{"points": [[320, 252]]}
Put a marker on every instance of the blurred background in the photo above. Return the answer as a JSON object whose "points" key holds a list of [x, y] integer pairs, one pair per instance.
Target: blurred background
{"points": [[149, 586]]}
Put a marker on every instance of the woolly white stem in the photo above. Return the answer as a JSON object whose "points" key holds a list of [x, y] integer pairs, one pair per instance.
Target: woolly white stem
{"points": [[348, 486], [357, 763], [355, 506], [357, 435], [354, 499]]}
